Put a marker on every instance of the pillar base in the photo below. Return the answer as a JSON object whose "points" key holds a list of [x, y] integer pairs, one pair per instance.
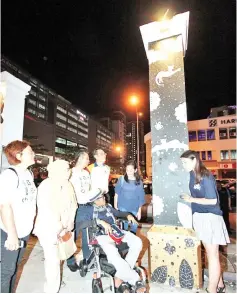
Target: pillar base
{"points": [[175, 257]]}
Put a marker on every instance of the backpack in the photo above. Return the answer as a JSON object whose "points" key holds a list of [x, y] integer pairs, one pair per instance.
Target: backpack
{"points": [[11, 168], [16, 175]]}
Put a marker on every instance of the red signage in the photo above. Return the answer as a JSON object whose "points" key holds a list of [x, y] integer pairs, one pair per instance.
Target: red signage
{"points": [[228, 165]]}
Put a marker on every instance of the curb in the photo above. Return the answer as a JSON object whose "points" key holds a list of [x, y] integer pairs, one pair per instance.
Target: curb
{"points": [[228, 276]]}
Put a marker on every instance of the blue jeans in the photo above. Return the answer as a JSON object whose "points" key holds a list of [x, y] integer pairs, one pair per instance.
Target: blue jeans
{"points": [[85, 248], [133, 227], [9, 264]]}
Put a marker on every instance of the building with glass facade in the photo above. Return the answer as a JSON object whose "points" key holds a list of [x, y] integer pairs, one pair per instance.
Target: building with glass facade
{"points": [[214, 139], [52, 124]]}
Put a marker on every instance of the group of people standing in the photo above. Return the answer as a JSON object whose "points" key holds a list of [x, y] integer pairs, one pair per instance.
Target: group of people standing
{"points": [[68, 199], [61, 199]]}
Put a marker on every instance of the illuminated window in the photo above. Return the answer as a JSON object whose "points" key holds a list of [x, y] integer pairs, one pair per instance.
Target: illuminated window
{"points": [[41, 97], [58, 123], [41, 115], [211, 134], [72, 123], [233, 154], [203, 154], [201, 135], [72, 129], [209, 155], [61, 109], [59, 150], [224, 154], [223, 134], [61, 140], [30, 110], [41, 106], [232, 133], [62, 117], [192, 136], [70, 143], [72, 115], [32, 92], [31, 101]]}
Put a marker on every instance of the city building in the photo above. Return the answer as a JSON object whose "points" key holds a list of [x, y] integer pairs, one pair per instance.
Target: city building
{"points": [[106, 122], [52, 124], [118, 119], [100, 137], [131, 142], [215, 140], [222, 111]]}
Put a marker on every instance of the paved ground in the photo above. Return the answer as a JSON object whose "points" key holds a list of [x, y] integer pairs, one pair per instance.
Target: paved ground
{"points": [[31, 272], [31, 276]]}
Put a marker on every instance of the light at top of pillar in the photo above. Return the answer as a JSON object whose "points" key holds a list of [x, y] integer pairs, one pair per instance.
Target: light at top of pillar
{"points": [[159, 30]]}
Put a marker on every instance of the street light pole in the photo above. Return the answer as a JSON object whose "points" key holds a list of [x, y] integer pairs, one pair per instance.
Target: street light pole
{"points": [[138, 149]]}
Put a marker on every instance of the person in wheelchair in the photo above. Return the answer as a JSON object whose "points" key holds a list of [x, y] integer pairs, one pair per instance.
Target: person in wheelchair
{"points": [[103, 215]]}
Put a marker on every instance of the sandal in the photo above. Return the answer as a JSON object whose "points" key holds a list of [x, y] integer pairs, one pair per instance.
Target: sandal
{"points": [[140, 285], [207, 290], [123, 288], [220, 289]]}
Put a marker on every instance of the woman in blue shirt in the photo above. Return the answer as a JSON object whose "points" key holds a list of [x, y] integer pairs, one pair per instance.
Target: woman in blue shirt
{"points": [[208, 222], [129, 193]]}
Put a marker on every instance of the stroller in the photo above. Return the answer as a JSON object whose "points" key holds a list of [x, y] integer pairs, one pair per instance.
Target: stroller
{"points": [[98, 263]]}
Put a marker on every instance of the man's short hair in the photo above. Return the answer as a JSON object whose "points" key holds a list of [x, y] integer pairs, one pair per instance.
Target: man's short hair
{"points": [[96, 150]]}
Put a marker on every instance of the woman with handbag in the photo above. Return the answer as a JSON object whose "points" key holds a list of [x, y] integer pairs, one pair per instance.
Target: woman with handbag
{"points": [[57, 206]]}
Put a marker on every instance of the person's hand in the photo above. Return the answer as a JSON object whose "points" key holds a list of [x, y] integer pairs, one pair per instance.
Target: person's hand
{"points": [[70, 226], [61, 233], [131, 218], [139, 215], [187, 198], [106, 226], [12, 242], [230, 208]]}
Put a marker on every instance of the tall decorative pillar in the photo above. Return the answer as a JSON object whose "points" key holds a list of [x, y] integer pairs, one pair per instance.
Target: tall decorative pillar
{"points": [[175, 251], [12, 105]]}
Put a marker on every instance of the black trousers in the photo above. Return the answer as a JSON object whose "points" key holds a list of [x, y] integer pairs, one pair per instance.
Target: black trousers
{"points": [[9, 264]]}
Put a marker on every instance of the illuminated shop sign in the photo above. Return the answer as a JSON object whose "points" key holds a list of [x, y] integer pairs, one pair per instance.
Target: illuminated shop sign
{"points": [[228, 121], [214, 123]]}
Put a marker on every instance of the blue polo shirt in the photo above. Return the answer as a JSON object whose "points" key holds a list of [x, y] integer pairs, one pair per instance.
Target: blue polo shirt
{"points": [[130, 195], [205, 189]]}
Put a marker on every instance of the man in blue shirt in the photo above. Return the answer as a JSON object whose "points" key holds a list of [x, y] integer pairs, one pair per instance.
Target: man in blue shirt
{"points": [[103, 215]]}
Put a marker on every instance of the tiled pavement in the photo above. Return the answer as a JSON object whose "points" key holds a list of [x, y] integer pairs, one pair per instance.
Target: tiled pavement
{"points": [[31, 276]]}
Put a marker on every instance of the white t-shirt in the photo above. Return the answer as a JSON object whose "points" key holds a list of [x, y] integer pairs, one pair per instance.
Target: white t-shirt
{"points": [[21, 198], [81, 182], [100, 177]]}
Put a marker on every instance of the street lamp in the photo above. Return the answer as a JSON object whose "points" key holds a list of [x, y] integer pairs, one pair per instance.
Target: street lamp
{"points": [[118, 148], [134, 101]]}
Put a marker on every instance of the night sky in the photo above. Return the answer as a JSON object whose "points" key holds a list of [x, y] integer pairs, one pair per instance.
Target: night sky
{"points": [[91, 52]]}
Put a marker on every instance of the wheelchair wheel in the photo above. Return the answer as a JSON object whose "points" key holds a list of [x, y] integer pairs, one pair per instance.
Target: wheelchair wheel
{"points": [[97, 286], [83, 268]]}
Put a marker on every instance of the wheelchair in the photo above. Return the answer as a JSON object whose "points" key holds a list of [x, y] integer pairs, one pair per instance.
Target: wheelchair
{"points": [[97, 262]]}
